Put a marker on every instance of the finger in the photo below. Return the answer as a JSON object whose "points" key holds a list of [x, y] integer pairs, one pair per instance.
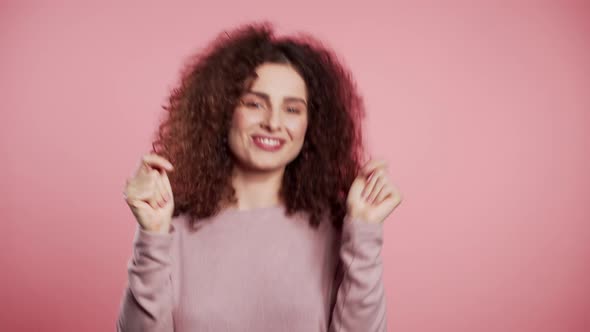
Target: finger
{"points": [[162, 191], [397, 196], [394, 195], [154, 190], [370, 185], [138, 204], [155, 161], [372, 165], [379, 185], [158, 193], [167, 185], [384, 194], [153, 199]]}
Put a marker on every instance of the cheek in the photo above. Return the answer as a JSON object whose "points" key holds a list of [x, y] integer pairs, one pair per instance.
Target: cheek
{"points": [[297, 128], [243, 119]]}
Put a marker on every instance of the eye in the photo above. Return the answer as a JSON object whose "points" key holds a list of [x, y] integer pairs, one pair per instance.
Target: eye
{"points": [[293, 110], [252, 104]]}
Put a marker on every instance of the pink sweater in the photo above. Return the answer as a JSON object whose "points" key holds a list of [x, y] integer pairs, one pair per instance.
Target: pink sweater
{"points": [[256, 270]]}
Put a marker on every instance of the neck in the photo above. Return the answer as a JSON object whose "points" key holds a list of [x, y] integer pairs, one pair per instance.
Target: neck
{"points": [[256, 189]]}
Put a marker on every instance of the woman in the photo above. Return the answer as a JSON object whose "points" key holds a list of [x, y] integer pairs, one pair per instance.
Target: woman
{"points": [[255, 212]]}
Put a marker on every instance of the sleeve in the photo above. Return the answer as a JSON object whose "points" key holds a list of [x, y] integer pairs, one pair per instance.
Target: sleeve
{"points": [[360, 300], [147, 302]]}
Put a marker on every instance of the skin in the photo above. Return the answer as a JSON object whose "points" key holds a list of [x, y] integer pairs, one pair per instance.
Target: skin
{"points": [[274, 106]]}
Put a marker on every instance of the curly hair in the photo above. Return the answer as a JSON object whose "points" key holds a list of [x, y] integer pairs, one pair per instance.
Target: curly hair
{"points": [[193, 135]]}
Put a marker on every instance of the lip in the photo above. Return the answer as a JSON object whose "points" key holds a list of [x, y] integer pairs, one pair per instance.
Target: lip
{"points": [[268, 147]]}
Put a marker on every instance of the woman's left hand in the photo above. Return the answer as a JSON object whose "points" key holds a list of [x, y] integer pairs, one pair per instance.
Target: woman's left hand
{"points": [[372, 197]]}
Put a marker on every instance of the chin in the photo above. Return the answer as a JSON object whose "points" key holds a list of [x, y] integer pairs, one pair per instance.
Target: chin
{"points": [[260, 161], [268, 166], [266, 163]]}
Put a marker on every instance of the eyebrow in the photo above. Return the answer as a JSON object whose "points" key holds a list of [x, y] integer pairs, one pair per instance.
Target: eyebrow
{"points": [[267, 98]]}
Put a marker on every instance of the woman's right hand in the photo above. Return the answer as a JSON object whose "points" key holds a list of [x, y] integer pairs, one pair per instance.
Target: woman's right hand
{"points": [[149, 194]]}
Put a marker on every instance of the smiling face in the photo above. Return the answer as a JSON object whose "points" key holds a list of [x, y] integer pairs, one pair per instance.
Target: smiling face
{"points": [[269, 124]]}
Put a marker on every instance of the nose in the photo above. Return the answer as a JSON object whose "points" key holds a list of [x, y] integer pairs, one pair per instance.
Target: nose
{"points": [[272, 121]]}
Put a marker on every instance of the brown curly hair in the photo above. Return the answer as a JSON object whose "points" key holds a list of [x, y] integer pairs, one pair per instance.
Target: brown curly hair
{"points": [[193, 135]]}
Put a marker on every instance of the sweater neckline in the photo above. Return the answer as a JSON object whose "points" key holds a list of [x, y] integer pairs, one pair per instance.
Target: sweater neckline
{"points": [[270, 208]]}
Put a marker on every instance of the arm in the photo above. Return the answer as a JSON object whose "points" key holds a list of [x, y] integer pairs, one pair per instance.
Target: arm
{"points": [[360, 301], [147, 303]]}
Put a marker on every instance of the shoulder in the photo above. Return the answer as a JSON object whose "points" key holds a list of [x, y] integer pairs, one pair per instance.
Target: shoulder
{"points": [[180, 223]]}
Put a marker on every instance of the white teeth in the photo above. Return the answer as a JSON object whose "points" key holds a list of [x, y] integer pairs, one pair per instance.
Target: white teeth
{"points": [[268, 141]]}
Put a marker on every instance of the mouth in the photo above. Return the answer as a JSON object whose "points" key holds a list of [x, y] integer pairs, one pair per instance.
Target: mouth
{"points": [[268, 143]]}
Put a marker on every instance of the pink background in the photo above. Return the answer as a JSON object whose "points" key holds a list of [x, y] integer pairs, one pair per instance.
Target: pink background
{"points": [[482, 110]]}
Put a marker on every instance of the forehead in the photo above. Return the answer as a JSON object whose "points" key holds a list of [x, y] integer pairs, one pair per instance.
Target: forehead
{"points": [[278, 81]]}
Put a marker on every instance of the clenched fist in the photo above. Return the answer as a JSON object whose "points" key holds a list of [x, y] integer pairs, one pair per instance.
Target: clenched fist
{"points": [[149, 194]]}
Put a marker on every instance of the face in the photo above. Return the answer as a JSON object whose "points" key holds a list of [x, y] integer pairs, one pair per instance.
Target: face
{"points": [[269, 123]]}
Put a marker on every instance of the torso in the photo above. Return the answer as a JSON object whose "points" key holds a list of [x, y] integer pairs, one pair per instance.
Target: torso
{"points": [[254, 270]]}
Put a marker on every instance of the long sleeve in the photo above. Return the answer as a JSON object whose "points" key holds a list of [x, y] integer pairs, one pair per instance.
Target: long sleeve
{"points": [[147, 302], [360, 300]]}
